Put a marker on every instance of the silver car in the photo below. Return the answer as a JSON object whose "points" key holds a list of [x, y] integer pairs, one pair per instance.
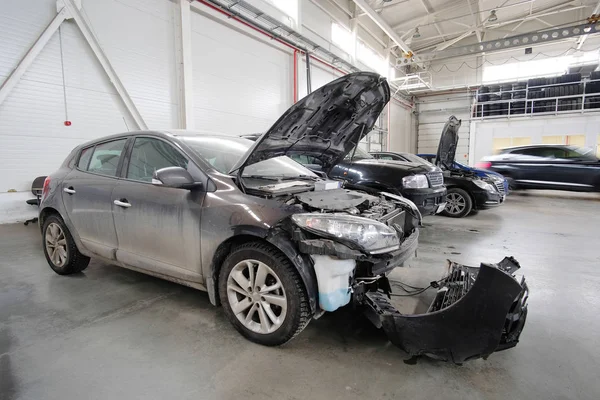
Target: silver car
{"points": [[263, 235]]}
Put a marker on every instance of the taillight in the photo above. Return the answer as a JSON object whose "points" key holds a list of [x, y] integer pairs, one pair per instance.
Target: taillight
{"points": [[46, 188], [483, 164]]}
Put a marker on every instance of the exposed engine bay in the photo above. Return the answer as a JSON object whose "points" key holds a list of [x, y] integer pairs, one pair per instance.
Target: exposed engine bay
{"points": [[475, 312]]}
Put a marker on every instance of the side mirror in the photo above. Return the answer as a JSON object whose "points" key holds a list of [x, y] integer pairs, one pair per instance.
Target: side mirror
{"points": [[174, 177]]}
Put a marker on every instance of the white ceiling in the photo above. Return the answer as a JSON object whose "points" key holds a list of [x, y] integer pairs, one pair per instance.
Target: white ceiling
{"points": [[446, 23]]}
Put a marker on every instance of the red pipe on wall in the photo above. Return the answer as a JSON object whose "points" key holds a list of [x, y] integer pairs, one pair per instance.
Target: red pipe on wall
{"points": [[295, 89], [296, 49]]}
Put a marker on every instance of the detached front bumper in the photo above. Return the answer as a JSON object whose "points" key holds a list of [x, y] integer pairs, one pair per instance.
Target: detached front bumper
{"points": [[477, 311]]}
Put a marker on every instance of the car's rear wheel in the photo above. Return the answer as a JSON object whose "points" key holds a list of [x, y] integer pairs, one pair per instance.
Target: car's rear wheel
{"points": [[263, 295], [60, 249], [458, 203]]}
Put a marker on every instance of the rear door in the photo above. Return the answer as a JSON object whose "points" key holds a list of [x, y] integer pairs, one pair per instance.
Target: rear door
{"points": [[158, 228], [571, 169], [87, 192]]}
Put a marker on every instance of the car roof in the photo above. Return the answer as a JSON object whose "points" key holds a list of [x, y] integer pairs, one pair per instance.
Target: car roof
{"points": [[533, 146], [171, 133]]}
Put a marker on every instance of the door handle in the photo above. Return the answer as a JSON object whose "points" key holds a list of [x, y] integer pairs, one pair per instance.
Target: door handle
{"points": [[69, 190], [122, 203]]}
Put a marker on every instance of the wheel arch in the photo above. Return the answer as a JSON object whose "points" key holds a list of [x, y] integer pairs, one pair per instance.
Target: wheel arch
{"points": [[279, 241], [45, 213]]}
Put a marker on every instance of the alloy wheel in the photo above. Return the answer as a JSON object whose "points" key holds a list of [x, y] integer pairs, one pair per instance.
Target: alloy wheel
{"points": [[256, 296], [56, 244], [455, 203]]}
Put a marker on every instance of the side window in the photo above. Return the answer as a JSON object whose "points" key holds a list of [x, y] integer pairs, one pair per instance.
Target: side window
{"points": [[84, 158], [549, 152], [384, 157], [105, 158], [559, 153], [149, 155]]}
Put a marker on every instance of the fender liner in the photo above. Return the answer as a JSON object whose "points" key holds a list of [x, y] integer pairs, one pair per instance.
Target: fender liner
{"points": [[303, 264], [280, 240]]}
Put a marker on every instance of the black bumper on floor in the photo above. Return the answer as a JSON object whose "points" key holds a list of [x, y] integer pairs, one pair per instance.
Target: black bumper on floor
{"points": [[476, 312]]}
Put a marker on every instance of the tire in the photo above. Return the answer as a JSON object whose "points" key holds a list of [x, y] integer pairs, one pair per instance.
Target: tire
{"points": [[292, 301], [60, 249], [458, 203]]}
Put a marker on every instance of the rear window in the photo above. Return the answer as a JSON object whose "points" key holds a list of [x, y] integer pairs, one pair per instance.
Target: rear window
{"points": [[104, 158], [84, 159]]}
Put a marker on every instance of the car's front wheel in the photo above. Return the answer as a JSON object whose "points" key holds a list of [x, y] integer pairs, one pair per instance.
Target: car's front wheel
{"points": [[60, 249], [263, 295], [458, 203]]}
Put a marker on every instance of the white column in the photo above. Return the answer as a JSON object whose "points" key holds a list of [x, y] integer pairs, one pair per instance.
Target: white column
{"points": [[187, 89]]}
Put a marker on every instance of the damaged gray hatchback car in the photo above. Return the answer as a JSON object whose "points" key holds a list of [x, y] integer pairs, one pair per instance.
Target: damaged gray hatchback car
{"points": [[267, 238]]}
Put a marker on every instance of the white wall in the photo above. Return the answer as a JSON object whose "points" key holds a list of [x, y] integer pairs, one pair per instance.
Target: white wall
{"points": [[433, 112], [242, 81], [402, 133], [33, 138], [535, 127]]}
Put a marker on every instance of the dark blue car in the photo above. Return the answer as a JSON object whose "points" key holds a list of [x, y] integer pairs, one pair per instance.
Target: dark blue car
{"points": [[482, 173]]}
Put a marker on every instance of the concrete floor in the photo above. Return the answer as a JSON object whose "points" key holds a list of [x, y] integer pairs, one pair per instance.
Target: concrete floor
{"points": [[112, 333]]}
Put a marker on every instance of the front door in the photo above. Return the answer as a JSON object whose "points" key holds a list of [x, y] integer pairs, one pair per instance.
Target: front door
{"points": [[158, 228], [87, 192]]}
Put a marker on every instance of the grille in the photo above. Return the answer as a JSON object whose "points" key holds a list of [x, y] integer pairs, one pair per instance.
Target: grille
{"points": [[500, 186], [435, 179], [454, 287]]}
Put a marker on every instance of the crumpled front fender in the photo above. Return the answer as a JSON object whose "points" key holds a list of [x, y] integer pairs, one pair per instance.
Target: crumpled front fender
{"points": [[476, 312]]}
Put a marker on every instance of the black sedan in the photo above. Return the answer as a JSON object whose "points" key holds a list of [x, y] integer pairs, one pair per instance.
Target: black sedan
{"points": [[557, 167]]}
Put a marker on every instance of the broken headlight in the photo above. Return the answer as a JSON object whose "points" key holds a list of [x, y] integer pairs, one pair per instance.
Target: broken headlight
{"points": [[418, 181], [370, 235]]}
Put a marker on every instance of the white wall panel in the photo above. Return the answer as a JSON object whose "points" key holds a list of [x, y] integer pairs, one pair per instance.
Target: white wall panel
{"points": [[433, 112], [242, 83], [402, 133], [535, 127], [319, 75], [138, 38]]}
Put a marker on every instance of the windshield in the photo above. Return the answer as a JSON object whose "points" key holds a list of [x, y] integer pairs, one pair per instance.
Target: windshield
{"points": [[359, 154], [416, 159], [224, 152]]}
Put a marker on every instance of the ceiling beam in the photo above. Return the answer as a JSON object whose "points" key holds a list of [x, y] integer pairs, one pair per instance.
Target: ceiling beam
{"points": [[452, 6], [536, 15], [350, 15], [537, 38], [582, 40], [385, 6], [476, 19], [383, 25], [457, 39]]}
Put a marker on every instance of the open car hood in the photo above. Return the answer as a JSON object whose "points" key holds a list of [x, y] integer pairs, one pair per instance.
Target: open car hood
{"points": [[327, 123], [446, 151]]}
